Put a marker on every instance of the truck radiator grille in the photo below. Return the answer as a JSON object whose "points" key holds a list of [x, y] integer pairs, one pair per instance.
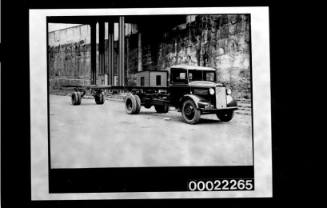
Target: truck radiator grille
{"points": [[220, 97]]}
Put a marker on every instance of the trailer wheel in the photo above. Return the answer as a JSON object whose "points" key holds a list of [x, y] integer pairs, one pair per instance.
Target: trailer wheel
{"points": [[132, 104], [76, 98], [162, 108], [225, 115], [99, 98], [190, 113]]}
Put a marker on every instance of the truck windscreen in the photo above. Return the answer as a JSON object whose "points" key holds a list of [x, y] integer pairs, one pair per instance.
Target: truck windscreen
{"points": [[196, 75]]}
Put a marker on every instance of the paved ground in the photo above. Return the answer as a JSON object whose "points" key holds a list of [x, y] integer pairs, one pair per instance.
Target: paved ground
{"points": [[93, 135]]}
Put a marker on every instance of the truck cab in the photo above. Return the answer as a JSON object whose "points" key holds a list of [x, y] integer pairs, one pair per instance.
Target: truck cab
{"points": [[194, 90]]}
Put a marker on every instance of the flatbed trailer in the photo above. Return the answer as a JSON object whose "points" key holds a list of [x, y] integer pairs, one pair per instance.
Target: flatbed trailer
{"points": [[156, 93]]}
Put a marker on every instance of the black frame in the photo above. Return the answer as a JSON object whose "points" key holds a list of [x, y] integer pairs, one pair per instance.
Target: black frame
{"points": [[15, 159]]}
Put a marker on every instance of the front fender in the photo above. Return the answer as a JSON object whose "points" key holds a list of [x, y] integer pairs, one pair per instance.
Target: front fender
{"points": [[196, 99], [230, 101]]}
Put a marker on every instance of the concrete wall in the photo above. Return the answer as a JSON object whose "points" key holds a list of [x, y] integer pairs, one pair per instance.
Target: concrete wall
{"points": [[69, 56], [70, 35]]}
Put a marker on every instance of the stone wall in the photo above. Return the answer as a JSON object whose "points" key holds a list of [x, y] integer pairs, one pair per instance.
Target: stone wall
{"points": [[219, 41]]}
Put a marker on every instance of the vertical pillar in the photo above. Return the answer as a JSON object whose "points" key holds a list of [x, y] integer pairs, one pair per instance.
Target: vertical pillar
{"points": [[126, 61], [111, 53], [139, 52], [101, 49], [93, 53], [176, 51], [121, 51]]}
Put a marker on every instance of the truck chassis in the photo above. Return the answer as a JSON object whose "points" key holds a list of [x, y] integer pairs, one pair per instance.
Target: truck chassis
{"points": [[148, 97]]}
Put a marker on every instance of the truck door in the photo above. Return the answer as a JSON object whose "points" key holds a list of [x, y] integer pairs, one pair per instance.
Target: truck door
{"points": [[178, 85]]}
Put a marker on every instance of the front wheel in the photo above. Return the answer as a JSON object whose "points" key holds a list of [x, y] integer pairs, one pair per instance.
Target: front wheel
{"points": [[190, 113], [225, 115]]}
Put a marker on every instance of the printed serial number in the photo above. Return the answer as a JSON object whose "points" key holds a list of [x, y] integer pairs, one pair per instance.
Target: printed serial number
{"points": [[221, 185]]}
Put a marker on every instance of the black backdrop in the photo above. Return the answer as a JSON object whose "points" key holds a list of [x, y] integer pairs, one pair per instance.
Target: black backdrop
{"points": [[291, 166]]}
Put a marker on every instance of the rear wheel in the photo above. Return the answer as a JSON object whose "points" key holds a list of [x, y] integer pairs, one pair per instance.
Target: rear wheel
{"points": [[132, 103], [99, 98], [138, 104], [76, 98], [147, 105], [190, 113], [162, 108], [225, 115]]}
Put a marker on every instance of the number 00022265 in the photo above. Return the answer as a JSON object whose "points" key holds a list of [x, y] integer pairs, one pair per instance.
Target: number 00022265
{"points": [[221, 185]]}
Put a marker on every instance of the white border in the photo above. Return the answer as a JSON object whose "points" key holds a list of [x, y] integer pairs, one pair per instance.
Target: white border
{"points": [[261, 102]]}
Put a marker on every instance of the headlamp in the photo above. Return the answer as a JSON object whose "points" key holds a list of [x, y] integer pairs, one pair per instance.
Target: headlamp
{"points": [[211, 91], [228, 91]]}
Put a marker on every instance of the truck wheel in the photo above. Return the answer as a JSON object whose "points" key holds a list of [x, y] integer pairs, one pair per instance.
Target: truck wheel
{"points": [[76, 98], [165, 108], [162, 108], [99, 99], [226, 115], [138, 104], [147, 105], [190, 113], [132, 104]]}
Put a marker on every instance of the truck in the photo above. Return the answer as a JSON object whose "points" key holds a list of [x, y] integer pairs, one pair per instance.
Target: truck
{"points": [[192, 90]]}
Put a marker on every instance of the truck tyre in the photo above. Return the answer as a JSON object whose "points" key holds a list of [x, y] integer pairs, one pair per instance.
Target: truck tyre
{"points": [[162, 108], [190, 113], [147, 105], [132, 104], [76, 98], [225, 115], [138, 104], [165, 108], [158, 108], [99, 98]]}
